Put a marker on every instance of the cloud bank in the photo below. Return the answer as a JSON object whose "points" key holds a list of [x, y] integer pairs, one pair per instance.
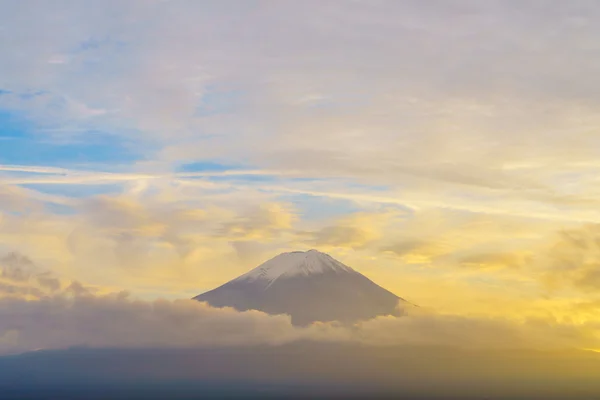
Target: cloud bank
{"points": [[77, 318]]}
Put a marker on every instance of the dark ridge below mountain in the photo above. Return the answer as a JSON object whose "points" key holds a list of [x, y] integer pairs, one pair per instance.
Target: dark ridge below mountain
{"points": [[297, 370]]}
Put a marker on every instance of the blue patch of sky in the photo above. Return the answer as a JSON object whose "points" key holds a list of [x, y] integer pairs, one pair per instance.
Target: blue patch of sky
{"points": [[246, 178], [208, 166], [90, 44], [12, 125], [95, 43], [32, 94], [366, 187], [77, 191], [21, 143]]}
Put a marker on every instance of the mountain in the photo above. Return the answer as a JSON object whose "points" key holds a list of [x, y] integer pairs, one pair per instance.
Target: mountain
{"points": [[309, 286]]}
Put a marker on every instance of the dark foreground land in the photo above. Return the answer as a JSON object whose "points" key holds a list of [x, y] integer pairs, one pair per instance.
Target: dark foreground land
{"points": [[300, 370]]}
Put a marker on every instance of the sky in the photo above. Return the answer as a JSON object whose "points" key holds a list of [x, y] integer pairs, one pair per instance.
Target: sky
{"points": [[151, 150]]}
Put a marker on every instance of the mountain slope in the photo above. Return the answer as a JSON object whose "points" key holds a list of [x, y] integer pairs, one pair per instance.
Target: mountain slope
{"points": [[309, 286]]}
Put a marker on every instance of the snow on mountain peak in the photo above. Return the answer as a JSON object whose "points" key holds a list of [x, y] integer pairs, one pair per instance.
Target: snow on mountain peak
{"points": [[293, 264]]}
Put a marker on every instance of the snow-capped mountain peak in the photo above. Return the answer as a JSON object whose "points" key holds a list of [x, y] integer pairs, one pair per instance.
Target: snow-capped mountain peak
{"points": [[295, 263], [307, 285]]}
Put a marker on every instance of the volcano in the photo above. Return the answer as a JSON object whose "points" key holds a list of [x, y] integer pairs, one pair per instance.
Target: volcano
{"points": [[309, 286]]}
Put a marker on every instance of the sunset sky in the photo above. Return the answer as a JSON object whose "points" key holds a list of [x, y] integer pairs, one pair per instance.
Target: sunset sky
{"points": [[448, 150]]}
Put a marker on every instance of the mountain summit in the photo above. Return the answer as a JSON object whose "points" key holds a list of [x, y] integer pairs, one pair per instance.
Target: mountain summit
{"points": [[309, 286]]}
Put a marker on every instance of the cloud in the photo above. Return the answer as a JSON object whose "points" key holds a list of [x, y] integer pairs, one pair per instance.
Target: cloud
{"points": [[427, 328], [451, 238], [496, 260], [174, 241], [571, 258], [116, 321], [48, 282], [79, 318], [15, 199], [352, 231], [260, 222], [149, 240], [21, 278], [16, 267], [410, 104]]}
